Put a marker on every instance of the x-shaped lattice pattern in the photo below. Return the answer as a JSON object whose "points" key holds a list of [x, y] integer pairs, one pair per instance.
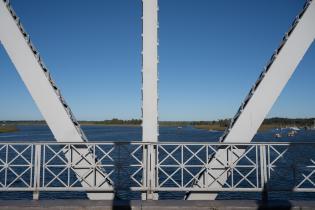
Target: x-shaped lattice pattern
{"points": [[16, 165], [181, 166], [94, 165], [176, 166]]}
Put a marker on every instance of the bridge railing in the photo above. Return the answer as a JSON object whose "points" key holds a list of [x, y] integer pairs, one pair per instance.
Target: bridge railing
{"points": [[157, 167]]}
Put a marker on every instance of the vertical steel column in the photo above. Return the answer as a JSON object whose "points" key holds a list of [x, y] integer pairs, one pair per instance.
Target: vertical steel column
{"points": [[150, 82], [149, 71]]}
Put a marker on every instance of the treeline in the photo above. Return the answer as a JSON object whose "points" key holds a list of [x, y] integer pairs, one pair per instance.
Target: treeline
{"points": [[299, 122], [114, 121], [280, 122], [22, 122]]}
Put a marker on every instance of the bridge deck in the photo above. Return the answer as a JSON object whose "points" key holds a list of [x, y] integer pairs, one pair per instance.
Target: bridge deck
{"points": [[166, 204]]}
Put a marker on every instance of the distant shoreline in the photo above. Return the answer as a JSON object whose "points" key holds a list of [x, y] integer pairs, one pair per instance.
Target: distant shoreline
{"points": [[262, 128], [218, 125]]}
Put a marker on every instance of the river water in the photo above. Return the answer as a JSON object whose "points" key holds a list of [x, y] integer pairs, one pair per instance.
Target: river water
{"points": [[133, 133]]}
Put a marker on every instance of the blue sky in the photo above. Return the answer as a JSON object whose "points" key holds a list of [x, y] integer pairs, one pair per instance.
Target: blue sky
{"points": [[211, 53]]}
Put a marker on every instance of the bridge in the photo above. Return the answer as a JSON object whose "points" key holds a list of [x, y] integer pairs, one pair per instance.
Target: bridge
{"points": [[198, 170]]}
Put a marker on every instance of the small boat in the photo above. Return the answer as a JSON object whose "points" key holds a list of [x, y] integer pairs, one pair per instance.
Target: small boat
{"points": [[292, 133], [277, 135], [294, 128]]}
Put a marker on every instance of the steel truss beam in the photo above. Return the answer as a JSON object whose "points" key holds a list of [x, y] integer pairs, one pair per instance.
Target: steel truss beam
{"points": [[43, 89], [266, 90]]}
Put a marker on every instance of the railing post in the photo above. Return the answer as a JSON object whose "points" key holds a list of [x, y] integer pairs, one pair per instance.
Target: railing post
{"points": [[264, 172], [151, 172], [145, 171], [37, 164]]}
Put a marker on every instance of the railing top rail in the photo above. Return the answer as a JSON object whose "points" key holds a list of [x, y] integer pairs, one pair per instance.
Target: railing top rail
{"points": [[151, 143]]}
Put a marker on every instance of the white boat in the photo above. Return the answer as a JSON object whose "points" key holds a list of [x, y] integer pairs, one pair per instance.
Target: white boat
{"points": [[294, 128], [292, 133], [277, 135]]}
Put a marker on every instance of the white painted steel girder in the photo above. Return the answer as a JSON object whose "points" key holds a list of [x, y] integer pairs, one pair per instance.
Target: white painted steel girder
{"points": [[42, 88], [37, 79], [150, 127], [265, 92], [150, 71], [274, 77]]}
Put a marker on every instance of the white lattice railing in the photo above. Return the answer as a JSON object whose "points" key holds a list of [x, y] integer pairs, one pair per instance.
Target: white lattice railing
{"points": [[157, 167]]}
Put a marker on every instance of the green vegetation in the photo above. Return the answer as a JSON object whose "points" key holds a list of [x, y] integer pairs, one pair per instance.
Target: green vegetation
{"points": [[113, 121], [211, 127], [268, 124], [23, 122], [283, 122], [8, 128]]}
